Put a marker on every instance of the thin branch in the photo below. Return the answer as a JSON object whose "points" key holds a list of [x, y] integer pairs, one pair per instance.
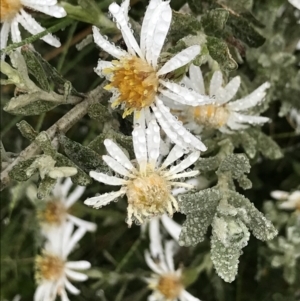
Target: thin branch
{"points": [[61, 126]]}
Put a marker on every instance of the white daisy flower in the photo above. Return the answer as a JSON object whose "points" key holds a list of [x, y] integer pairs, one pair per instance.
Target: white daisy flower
{"points": [[291, 200], [222, 113], [136, 79], [53, 271], [56, 211], [13, 12], [147, 184], [166, 282]]}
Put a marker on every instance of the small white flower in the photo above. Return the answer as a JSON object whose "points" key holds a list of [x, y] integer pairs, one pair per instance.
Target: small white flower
{"points": [[46, 166], [221, 113], [13, 12], [136, 79], [57, 208], [167, 282], [53, 271], [147, 184], [291, 200]]}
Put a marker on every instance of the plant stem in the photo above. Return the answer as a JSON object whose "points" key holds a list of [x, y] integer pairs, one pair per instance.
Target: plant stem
{"points": [[61, 126]]}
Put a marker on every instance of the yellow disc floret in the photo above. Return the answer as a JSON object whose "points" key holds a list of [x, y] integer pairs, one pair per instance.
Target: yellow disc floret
{"points": [[53, 213], [170, 286], [8, 9], [49, 267], [149, 195], [136, 82], [210, 115]]}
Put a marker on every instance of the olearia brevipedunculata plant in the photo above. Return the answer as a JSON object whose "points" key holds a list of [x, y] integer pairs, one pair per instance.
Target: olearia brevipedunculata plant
{"points": [[186, 113]]}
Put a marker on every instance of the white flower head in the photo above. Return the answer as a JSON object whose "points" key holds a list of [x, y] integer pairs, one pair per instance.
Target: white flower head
{"points": [[46, 166], [146, 183], [56, 211], [291, 201], [295, 3], [166, 282], [135, 78], [221, 113], [53, 271], [13, 13]]}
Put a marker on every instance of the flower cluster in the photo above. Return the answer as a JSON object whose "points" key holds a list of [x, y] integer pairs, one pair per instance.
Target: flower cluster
{"points": [[62, 231], [140, 86]]}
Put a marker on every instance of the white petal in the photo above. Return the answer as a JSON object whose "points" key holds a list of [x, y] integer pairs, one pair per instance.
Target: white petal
{"points": [[156, 248], [139, 139], [74, 239], [170, 132], [63, 295], [279, 195], [75, 275], [159, 25], [103, 199], [89, 226], [131, 43], [169, 249], [197, 79], [71, 288], [106, 45], [39, 2], [150, 12], [295, 196], [5, 29], [249, 119], [233, 124], [55, 11], [185, 136], [229, 91], [102, 65], [116, 166], [180, 59], [125, 8], [250, 100], [187, 296], [15, 32], [190, 160], [215, 83], [31, 25], [174, 155], [78, 265], [289, 205], [296, 3], [62, 189], [116, 152], [39, 294], [103, 178], [153, 142], [171, 226], [183, 94], [75, 195], [152, 265]]}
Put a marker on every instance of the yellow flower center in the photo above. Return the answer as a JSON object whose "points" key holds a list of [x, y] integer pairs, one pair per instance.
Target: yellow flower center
{"points": [[136, 82], [210, 115], [170, 286], [8, 9], [149, 196], [54, 212], [49, 267]]}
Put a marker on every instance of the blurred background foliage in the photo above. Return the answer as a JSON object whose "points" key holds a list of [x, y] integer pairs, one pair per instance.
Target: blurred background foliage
{"points": [[255, 39]]}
